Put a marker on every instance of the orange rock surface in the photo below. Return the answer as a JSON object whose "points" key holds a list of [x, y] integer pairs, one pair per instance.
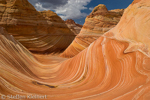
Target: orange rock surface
{"points": [[74, 27], [114, 67], [98, 22], [41, 32]]}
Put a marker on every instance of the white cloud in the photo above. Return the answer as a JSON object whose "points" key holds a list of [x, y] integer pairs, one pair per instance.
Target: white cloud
{"points": [[72, 10], [39, 7], [91, 8]]}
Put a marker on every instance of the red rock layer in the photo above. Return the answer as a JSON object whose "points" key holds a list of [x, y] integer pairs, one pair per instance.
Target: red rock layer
{"points": [[98, 22], [41, 32], [74, 27], [103, 71]]}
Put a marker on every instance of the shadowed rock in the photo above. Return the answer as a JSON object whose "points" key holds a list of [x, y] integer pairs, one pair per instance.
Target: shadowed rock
{"points": [[74, 27]]}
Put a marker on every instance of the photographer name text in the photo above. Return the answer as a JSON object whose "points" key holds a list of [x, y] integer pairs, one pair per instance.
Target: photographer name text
{"points": [[3, 97]]}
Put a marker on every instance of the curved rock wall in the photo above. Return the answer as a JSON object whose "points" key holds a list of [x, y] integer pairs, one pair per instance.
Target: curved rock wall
{"points": [[98, 22], [43, 32]]}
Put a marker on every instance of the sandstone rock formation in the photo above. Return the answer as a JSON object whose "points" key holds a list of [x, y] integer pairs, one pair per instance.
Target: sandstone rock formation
{"points": [[51, 16], [114, 67], [98, 22], [74, 27], [42, 32]]}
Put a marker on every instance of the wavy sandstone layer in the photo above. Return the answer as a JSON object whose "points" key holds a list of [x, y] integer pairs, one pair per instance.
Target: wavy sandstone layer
{"points": [[98, 22], [74, 27], [103, 71], [41, 32]]}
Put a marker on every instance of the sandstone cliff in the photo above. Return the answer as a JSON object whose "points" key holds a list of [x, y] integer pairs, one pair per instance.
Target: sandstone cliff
{"points": [[74, 27], [109, 69], [98, 22], [41, 32]]}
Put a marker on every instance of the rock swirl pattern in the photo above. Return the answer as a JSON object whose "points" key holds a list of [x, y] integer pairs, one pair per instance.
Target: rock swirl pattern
{"points": [[40, 32], [114, 67]]}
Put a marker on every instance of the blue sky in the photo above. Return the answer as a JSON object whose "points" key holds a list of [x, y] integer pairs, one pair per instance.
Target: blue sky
{"points": [[77, 9]]}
